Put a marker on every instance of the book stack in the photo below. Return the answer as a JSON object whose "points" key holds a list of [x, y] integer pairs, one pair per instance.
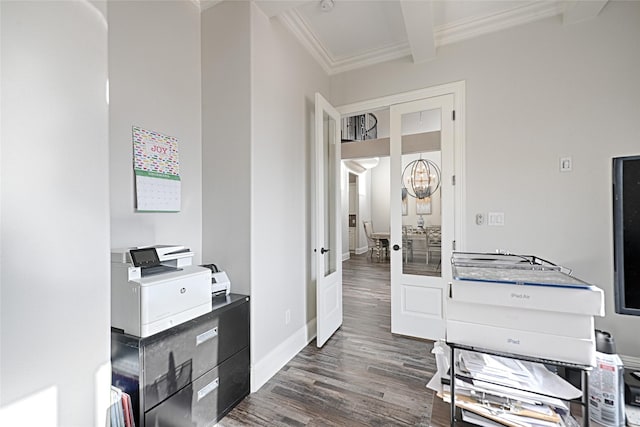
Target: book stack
{"points": [[499, 391], [121, 411]]}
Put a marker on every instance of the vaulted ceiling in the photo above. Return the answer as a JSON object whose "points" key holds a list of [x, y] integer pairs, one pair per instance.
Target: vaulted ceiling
{"points": [[344, 35]]}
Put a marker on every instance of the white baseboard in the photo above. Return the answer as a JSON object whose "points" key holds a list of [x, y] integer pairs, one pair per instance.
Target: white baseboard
{"points": [[346, 256], [269, 365], [630, 361], [362, 250]]}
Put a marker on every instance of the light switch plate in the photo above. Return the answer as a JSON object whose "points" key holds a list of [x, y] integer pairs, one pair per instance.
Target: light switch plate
{"points": [[496, 218]]}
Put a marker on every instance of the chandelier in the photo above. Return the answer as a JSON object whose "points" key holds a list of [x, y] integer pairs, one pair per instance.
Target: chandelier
{"points": [[421, 178]]}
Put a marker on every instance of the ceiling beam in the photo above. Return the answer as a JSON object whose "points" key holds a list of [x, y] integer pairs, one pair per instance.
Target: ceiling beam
{"points": [[418, 21], [581, 10], [273, 8]]}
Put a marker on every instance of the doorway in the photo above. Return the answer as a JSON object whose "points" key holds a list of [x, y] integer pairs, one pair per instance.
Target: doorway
{"points": [[418, 306], [367, 163]]}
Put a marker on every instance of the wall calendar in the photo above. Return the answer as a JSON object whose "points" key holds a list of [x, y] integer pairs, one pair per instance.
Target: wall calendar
{"points": [[157, 171]]}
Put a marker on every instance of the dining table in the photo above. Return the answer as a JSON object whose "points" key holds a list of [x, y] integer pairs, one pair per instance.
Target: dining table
{"points": [[418, 238]]}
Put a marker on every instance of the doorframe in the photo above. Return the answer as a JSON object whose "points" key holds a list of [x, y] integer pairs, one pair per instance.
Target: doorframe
{"points": [[457, 89]]}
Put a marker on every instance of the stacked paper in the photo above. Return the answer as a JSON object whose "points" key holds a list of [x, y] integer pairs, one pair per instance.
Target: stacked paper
{"points": [[504, 391]]}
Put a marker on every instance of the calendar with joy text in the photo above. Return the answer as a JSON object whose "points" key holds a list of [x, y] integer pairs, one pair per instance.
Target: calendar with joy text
{"points": [[157, 171]]}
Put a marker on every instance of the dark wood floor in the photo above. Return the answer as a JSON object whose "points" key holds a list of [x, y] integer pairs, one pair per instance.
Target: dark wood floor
{"points": [[363, 376]]}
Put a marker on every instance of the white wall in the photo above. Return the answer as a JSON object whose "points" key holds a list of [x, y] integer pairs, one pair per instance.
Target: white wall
{"points": [[347, 200], [226, 141], [425, 121], [384, 117], [380, 190], [364, 208], [258, 134], [283, 82], [353, 191], [154, 77], [534, 94], [54, 309]]}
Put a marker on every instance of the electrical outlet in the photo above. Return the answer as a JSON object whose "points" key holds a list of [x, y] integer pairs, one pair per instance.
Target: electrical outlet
{"points": [[566, 164], [479, 219], [287, 317]]}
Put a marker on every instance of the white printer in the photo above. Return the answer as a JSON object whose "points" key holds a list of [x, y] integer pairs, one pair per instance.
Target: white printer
{"points": [[154, 288]]}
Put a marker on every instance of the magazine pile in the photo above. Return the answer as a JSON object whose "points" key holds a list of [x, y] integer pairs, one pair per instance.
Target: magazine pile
{"points": [[495, 391]]}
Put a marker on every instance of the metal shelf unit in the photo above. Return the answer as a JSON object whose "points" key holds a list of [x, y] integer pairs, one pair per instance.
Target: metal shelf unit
{"points": [[584, 369]]}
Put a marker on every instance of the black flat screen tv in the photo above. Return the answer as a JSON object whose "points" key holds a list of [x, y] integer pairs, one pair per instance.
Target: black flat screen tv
{"points": [[626, 232]]}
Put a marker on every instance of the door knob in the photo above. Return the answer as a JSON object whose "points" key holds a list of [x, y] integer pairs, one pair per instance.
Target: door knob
{"points": [[323, 250], [396, 247]]}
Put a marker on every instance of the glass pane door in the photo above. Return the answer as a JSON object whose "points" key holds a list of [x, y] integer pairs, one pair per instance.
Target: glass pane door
{"points": [[422, 215], [328, 247], [421, 193], [330, 173]]}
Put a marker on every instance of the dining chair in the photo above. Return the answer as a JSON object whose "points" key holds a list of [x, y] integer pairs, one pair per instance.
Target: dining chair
{"points": [[376, 246], [434, 241], [407, 244]]}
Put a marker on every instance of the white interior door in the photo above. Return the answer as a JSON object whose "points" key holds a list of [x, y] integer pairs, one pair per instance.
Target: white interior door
{"points": [[328, 248], [420, 267]]}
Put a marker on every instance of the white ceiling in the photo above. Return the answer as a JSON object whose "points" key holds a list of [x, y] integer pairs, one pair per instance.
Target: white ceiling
{"points": [[357, 33]]}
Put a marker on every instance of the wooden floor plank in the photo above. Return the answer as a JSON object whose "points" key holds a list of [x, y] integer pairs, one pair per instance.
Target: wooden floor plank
{"points": [[363, 376]]}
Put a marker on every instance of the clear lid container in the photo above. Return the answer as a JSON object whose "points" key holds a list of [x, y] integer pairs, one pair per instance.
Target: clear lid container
{"points": [[512, 269]]}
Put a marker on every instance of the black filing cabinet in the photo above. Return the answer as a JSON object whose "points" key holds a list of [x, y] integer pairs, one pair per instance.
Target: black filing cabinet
{"points": [[190, 375]]}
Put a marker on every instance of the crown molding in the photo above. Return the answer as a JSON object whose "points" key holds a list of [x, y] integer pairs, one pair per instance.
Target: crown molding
{"points": [[474, 27], [196, 3], [443, 35], [383, 54], [294, 21]]}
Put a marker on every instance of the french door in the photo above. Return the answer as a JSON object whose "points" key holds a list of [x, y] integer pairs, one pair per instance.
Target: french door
{"points": [[328, 247], [421, 215]]}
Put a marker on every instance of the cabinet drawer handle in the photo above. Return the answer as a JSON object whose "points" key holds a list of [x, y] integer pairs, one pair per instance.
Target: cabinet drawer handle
{"points": [[208, 388], [206, 336]]}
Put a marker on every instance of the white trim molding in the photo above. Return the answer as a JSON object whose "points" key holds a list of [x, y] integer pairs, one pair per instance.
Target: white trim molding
{"points": [[206, 4], [362, 250], [268, 366], [296, 23], [477, 26], [577, 11], [300, 29], [442, 35]]}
